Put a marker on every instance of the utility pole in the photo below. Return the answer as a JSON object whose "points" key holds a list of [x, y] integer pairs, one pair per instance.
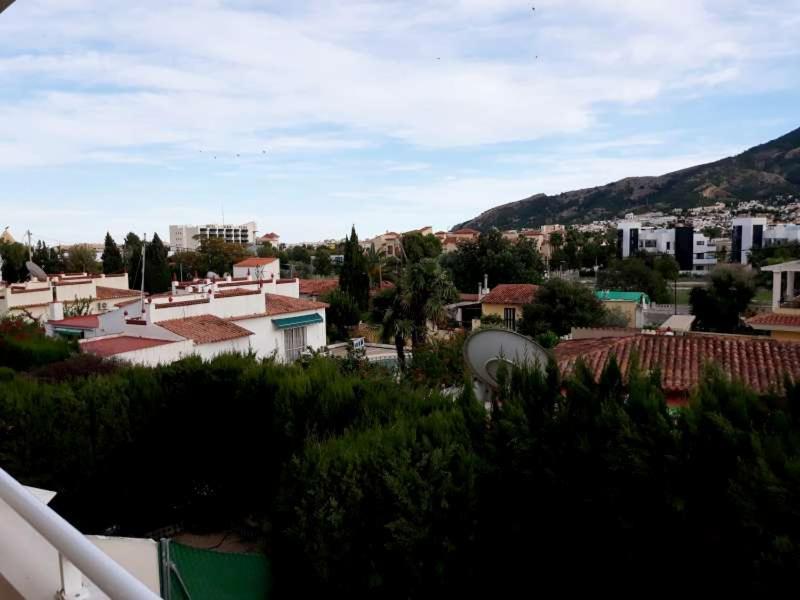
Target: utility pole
{"points": [[144, 259], [30, 247]]}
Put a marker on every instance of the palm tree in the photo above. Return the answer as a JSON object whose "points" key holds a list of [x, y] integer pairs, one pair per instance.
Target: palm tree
{"points": [[375, 263]]}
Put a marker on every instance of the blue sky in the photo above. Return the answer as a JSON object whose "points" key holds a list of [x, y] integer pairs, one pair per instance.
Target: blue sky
{"points": [[391, 115]]}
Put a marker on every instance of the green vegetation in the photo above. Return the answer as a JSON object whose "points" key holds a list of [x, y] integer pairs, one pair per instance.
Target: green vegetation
{"points": [[719, 305], [364, 485], [353, 277], [23, 346], [112, 257], [81, 259], [640, 274], [417, 246]]}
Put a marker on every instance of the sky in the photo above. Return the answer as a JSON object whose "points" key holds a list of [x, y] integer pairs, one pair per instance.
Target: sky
{"points": [[310, 116]]}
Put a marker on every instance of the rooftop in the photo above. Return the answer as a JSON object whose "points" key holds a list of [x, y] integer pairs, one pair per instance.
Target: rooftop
{"points": [[205, 329], [109, 346], [511, 293], [108, 293], [255, 262], [317, 287], [79, 322], [616, 296], [758, 362], [279, 305], [770, 320]]}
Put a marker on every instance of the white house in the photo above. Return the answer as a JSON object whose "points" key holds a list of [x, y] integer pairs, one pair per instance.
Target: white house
{"points": [[257, 268], [209, 317]]}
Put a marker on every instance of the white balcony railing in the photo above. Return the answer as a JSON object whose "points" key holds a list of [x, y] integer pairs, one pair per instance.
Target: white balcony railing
{"points": [[77, 555]]}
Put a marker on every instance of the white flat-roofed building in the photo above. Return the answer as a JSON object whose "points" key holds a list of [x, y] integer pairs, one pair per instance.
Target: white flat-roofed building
{"points": [[694, 251], [750, 233], [187, 237]]}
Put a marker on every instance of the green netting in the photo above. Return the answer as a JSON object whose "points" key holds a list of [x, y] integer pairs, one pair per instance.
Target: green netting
{"points": [[194, 574]]}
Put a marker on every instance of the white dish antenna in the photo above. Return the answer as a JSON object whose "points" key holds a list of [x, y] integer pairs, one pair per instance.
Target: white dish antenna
{"points": [[212, 275], [36, 271], [486, 349]]}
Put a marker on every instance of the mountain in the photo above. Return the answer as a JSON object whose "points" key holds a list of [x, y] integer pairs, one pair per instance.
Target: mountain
{"points": [[759, 173]]}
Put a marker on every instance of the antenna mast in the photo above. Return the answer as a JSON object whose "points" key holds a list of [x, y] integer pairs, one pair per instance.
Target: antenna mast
{"points": [[144, 259], [30, 248]]}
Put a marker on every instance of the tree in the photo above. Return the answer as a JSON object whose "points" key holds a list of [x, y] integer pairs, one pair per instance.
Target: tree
{"points": [[49, 259], [634, 275], [132, 257], [560, 305], [266, 250], [219, 256], [417, 246], [299, 254], [81, 258], [342, 312], [14, 256], [157, 273], [322, 262], [502, 260], [718, 305], [112, 257], [353, 277]]}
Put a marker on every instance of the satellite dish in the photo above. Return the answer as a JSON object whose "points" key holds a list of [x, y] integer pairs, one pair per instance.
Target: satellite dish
{"points": [[212, 275], [36, 271], [486, 349]]}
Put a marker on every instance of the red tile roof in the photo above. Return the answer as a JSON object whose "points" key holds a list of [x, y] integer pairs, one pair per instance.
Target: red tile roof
{"points": [[108, 293], [466, 231], [81, 322], [279, 305], [236, 292], [117, 345], [511, 293], [205, 329], [758, 362], [181, 303], [468, 297], [767, 320], [317, 287], [255, 262]]}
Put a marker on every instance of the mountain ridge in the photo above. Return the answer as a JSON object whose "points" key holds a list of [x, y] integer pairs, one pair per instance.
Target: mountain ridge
{"points": [[759, 173]]}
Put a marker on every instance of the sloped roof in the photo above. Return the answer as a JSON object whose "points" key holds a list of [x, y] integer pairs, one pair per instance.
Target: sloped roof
{"points": [[279, 305], [109, 293], [758, 362], [205, 329], [80, 322], [511, 293], [254, 261], [109, 346], [317, 287], [768, 320]]}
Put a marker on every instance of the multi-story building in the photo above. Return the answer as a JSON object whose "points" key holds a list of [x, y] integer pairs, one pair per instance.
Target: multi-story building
{"points": [[391, 242], [694, 251], [187, 237], [750, 233]]}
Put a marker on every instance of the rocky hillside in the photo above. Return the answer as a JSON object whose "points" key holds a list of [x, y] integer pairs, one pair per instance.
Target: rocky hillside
{"points": [[759, 173]]}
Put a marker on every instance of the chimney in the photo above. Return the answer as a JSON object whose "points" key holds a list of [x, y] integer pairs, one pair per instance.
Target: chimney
{"points": [[485, 283], [55, 311]]}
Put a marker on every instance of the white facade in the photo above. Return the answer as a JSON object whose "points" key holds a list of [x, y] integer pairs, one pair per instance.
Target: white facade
{"points": [[258, 268], [187, 237], [633, 238], [753, 232], [207, 317]]}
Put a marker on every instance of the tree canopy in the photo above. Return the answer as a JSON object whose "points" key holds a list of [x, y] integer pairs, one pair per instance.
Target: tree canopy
{"points": [[635, 275], [417, 246], [719, 305], [322, 262], [82, 258], [112, 257], [353, 276], [157, 277], [560, 305]]}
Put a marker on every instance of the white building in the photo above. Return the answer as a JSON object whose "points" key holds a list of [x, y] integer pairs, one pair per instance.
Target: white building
{"points": [[753, 232], [208, 317], [257, 268], [32, 299], [694, 251], [187, 237]]}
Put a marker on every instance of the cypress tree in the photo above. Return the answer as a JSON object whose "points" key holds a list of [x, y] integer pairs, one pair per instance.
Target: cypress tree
{"points": [[353, 278], [156, 273], [112, 257]]}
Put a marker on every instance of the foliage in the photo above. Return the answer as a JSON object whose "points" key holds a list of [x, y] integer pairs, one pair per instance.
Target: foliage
{"points": [[614, 317], [634, 274], [491, 320], [157, 278], [78, 307], [23, 345], [439, 363], [502, 260], [112, 257], [218, 256], [353, 277], [49, 259], [266, 250], [718, 305], [322, 262], [14, 256], [771, 255], [299, 254], [81, 258], [342, 312], [417, 246], [560, 305], [132, 258]]}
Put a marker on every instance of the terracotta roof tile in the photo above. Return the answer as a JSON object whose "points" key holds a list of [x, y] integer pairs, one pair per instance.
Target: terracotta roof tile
{"points": [[466, 231], [181, 303], [81, 322], [758, 362], [511, 293], [110, 346], [205, 329], [279, 305], [108, 293], [317, 287], [775, 319], [236, 292], [255, 262]]}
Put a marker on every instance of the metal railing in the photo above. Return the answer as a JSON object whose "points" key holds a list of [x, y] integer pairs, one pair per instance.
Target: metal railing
{"points": [[77, 554]]}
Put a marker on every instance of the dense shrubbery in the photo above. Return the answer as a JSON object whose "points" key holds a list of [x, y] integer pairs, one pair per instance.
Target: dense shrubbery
{"points": [[23, 345], [369, 487]]}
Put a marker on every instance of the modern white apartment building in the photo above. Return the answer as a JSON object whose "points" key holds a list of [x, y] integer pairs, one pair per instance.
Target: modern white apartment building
{"points": [[753, 232], [694, 251], [187, 237]]}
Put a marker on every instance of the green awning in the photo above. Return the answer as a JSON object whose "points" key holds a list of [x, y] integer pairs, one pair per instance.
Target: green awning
{"points": [[300, 321]]}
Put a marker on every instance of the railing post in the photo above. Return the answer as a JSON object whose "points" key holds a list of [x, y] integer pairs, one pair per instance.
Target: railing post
{"points": [[72, 587]]}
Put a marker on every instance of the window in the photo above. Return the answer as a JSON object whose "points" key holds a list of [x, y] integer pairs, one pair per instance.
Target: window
{"points": [[294, 342], [700, 242], [700, 255], [668, 245], [649, 243], [510, 318]]}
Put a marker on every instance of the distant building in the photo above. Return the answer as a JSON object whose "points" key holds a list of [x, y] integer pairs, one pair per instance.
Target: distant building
{"points": [[271, 238], [750, 233], [694, 251], [313, 289], [783, 322], [506, 301], [187, 237], [391, 242]]}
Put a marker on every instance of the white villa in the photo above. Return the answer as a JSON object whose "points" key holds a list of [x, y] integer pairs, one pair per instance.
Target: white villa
{"points": [[207, 317]]}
